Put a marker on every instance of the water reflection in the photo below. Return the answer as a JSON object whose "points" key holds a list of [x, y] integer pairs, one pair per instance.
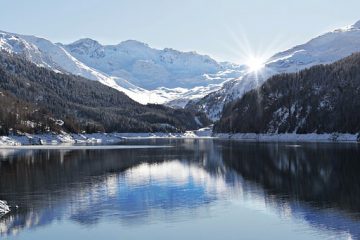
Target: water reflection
{"points": [[325, 175], [318, 184]]}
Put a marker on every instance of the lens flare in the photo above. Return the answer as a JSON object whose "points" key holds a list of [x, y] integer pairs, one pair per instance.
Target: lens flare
{"points": [[255, 64], [253, 54]]}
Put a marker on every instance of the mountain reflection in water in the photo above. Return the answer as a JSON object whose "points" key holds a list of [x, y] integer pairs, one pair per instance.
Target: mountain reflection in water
{"points": [[315, 183]]}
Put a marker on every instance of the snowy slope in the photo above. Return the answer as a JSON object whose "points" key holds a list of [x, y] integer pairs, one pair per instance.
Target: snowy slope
{"points": [[145, 66], [171, 76], [45, 53], [324, 49]]}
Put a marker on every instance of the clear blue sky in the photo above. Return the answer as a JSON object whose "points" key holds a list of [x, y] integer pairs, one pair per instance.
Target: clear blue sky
{"points": [[223, 29]]}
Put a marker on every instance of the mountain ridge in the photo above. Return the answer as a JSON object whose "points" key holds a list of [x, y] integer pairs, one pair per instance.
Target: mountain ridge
{"points": [[143, 65]]}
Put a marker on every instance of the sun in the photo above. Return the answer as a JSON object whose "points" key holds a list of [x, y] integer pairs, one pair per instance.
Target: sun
{"points": [[255, 64]]}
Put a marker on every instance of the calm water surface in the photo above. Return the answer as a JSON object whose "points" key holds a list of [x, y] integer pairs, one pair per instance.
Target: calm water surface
{"points": [[195, 189]]}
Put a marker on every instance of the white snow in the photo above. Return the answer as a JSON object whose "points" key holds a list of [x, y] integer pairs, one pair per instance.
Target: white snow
{"points": [[204, 132], [170, 77], [144, 66]]}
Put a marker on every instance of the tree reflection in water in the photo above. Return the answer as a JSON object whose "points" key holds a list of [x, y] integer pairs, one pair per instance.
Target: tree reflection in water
{"points": [[318, 183]]}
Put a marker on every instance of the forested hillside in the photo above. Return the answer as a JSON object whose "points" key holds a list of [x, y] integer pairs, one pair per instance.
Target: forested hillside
{"points": [[322, 99], [40, 94], [24, 117]]}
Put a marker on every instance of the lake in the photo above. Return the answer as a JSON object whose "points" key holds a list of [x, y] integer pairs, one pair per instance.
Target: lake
{"points": [[182, 189]]}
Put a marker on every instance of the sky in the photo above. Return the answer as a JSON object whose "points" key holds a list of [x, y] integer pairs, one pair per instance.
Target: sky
{"points": [[227, 30]]}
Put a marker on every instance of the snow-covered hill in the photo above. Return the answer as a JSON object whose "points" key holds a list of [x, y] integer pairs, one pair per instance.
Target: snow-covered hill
{"points": [[324, 49], [145, 74]]}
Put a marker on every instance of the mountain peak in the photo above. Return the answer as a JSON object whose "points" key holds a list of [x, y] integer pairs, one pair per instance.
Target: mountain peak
{"points": [[133, 43], [86, 42], [87, 46]]}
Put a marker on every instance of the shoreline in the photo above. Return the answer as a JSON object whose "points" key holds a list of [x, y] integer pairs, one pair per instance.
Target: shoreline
{"points": [[51, 139], [291, 137]]}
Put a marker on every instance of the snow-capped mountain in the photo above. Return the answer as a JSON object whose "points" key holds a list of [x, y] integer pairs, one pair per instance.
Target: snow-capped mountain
{"points": [[324, 49], [53, 56], [171, 77], [145, 74], [147, 67]]}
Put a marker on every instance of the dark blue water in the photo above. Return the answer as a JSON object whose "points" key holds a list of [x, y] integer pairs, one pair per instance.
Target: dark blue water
{"points": [[196, 189]]}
